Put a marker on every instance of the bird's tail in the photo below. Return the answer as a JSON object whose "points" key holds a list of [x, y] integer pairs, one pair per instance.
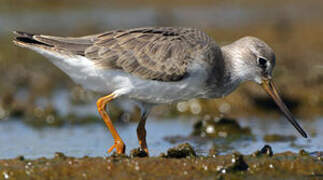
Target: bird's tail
{"points": [[71, 45], [28, 40]]}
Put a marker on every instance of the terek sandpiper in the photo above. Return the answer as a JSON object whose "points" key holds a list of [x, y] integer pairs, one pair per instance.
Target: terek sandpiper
{"points": [[156, 65]]}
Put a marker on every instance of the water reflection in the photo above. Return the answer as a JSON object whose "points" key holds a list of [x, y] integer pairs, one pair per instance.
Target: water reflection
{"points": [[17, 138]]}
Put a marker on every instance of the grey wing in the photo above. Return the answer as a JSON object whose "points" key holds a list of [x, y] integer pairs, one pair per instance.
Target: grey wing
{"points": [[162, 53], [152, 53]]}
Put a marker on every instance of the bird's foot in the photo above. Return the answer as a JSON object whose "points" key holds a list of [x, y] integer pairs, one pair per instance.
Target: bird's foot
{"points": [[143, 146], [119, 146], [138, 152]]}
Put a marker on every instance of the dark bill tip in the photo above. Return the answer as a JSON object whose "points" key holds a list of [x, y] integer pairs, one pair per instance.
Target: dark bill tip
{"points": [[272, 90]]}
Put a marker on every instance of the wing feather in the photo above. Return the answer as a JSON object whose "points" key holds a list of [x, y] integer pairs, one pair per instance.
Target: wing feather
{"points": [[162, 53], [151, 53]]}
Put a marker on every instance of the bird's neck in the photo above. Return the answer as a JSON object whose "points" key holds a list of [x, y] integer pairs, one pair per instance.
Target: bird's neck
{"points": [[233, 71], [229, 71], [236, 66], [225, 75]]}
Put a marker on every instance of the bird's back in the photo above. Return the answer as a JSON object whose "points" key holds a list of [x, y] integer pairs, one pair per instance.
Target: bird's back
{"points": [[162, 53]]}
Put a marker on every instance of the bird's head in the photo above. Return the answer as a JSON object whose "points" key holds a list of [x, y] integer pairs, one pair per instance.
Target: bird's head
{"points": [[252, 59]]}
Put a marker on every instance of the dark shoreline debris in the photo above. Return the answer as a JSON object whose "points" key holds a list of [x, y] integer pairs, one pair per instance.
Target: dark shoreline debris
{"points": [[181, 151]]}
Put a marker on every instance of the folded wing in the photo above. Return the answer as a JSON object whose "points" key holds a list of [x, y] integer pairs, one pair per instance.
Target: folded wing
{"points": [[162, 54]]}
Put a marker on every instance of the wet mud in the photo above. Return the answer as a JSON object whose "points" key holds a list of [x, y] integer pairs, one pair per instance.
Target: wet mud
{"points": [[183, 165]]}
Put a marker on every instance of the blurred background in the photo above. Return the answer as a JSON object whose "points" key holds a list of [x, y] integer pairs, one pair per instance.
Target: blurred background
{"points": [[35, 94]]}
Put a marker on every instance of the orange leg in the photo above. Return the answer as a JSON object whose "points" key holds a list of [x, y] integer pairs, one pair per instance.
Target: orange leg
{"points": [[141, 133], [118, 143]]}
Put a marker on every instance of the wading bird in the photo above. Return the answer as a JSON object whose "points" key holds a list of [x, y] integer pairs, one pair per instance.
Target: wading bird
{"points": [[156, 65]]}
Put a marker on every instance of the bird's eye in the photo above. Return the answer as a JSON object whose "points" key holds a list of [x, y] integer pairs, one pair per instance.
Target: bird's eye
{"points": [[262, 62]]}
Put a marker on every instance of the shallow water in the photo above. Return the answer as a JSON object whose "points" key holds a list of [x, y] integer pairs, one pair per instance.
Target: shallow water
{"points": [[17, 138]]}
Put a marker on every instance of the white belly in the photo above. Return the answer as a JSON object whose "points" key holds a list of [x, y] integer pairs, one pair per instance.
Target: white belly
{"points": [[148, 90], [84, 72]]}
